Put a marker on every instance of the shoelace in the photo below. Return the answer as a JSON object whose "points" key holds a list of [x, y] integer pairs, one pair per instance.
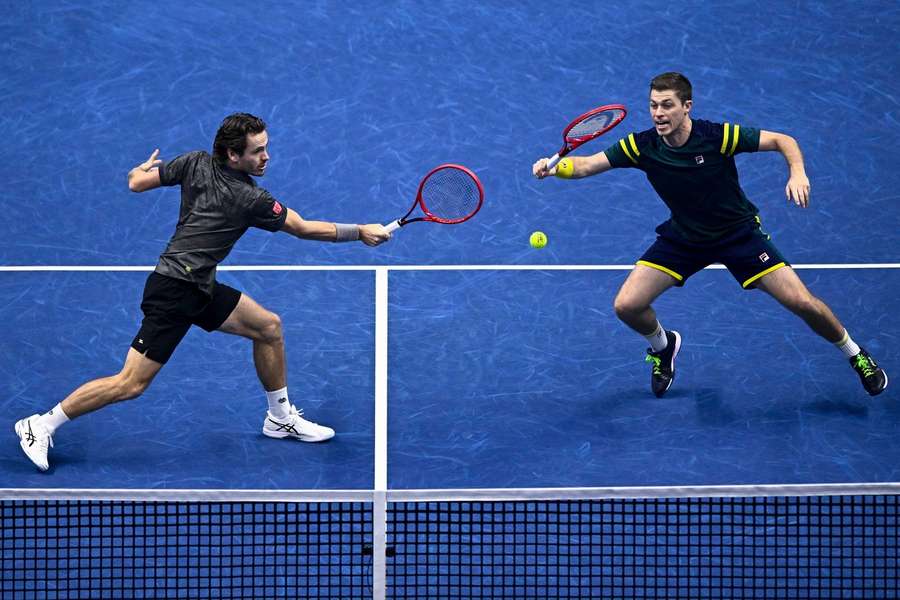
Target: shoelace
{"points": [[864, 365], [656, 363], [299, 413]]}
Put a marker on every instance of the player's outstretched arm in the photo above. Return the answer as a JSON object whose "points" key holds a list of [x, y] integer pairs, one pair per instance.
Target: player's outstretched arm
{"points": [[573, 167], [797, 188], [145, 176], [324, 231]]}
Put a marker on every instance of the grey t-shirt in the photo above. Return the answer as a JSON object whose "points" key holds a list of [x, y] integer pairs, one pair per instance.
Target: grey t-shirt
{"points": [[218, 204]]}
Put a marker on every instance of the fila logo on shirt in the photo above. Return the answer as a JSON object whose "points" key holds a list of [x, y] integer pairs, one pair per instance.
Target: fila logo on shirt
{"points": [[763, 257], [698, 159]]}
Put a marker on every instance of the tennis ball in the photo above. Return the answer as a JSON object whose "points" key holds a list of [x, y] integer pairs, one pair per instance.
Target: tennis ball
{"points": [[538, 239]]}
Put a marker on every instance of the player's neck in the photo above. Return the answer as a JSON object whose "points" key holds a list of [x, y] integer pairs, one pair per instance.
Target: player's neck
{"points": [[680, 136]]}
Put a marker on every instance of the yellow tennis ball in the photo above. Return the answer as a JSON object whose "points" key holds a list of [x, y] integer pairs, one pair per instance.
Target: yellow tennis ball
{"points": [[538, 239]]}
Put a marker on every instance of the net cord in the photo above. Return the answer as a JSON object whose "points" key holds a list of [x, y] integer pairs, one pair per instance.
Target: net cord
{"points": [[427, 495]]}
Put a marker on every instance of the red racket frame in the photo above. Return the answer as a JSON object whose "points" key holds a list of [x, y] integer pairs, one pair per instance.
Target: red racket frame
{"points": [[571, 144], [429, 216]]}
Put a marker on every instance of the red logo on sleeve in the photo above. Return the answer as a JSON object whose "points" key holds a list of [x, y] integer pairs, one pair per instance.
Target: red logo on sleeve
{"points": [[277, 208]]}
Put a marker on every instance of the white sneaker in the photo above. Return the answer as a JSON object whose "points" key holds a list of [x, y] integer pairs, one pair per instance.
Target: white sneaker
{"points": [[35, 441], [295, 426]]}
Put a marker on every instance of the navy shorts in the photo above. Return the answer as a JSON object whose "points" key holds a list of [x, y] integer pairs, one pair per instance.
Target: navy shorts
{"points": [[171, 306], [748, 253]]}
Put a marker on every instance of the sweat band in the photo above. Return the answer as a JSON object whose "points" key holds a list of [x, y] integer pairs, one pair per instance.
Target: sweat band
{"points": [[346, 232], [565, 168]]}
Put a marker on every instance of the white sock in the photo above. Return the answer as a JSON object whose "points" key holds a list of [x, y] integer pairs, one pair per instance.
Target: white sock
{"points": [[847, 346], [53, 418], [658, 340], [279, 404]]}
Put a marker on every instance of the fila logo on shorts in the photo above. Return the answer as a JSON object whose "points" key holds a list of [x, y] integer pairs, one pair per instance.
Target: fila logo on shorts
{"points": [[763, 257], [276, 208], [699, 159]]}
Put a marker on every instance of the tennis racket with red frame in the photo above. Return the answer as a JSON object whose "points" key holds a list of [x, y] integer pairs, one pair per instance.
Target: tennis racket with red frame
{"points": [[587, 127], [449, 194]]}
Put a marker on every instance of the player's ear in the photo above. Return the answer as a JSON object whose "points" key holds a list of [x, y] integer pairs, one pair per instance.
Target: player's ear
{"points": [[688, 104]]}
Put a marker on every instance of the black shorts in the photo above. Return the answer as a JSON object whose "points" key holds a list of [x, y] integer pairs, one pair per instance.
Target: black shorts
{"points": [[748, 253], [171, 306]]}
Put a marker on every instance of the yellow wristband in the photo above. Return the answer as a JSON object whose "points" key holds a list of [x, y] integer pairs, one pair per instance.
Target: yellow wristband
{"points": [[565, 168]]}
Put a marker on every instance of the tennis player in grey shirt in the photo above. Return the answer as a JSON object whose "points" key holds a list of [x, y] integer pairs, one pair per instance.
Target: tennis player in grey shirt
{"points": [[219, 202]]}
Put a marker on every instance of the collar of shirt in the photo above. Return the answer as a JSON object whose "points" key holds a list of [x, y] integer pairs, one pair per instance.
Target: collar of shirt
{"points": [[235, 174]]}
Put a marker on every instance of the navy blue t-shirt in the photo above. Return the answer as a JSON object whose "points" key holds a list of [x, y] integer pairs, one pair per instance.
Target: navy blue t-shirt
{"points": [[698, 181]]}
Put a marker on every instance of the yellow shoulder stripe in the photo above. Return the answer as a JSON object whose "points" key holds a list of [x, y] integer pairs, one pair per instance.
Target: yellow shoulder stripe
{"points": [[625, 150], [736, 136], [633, 144], [724, 140]]}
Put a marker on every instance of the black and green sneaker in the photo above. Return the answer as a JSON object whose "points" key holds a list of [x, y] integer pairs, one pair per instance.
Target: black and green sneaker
{"points": [[663, 372], [873, 377]]}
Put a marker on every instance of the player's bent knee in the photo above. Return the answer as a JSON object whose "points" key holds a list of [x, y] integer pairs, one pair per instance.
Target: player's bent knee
{"points": [[130, 387], [804, 304], [271, 329], [626, 307]]}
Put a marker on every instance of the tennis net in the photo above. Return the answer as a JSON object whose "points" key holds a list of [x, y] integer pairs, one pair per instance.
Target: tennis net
{"points": [[837, 542], [64, 549], [736, 547]]}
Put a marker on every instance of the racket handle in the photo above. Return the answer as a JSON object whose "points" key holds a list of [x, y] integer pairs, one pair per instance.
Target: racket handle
{"points": [[393, 226], [552, 162]]}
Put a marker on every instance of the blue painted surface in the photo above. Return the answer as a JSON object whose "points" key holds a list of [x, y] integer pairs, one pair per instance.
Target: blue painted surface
{"points": [[361, 103], [527, 379], [199, 425]]}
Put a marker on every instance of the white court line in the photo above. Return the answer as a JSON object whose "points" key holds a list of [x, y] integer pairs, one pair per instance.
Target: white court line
{"points": [[381, 378], [379, 500], [113, 268]]}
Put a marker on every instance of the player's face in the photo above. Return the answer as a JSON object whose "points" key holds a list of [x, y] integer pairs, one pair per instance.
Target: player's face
{"points": [[255, 156], [667, 111]]}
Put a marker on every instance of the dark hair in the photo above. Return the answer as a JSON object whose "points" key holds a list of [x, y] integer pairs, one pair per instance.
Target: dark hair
{"points": [[232, 134], [675, 82]]}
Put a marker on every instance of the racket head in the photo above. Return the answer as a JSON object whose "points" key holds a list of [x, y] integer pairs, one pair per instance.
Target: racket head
{"points": [[592, 124], [450, 194]]}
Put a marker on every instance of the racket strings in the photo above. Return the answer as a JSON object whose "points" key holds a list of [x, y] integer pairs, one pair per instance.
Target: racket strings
{"points": [[450, 195], [593, 124]]}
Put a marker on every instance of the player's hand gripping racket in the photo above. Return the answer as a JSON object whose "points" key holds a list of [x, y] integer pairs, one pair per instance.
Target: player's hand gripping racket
{"points": [[449, 194], [588, 126]]}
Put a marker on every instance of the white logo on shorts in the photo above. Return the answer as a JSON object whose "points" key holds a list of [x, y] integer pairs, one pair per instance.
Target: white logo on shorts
{"points": [[763, 257]]}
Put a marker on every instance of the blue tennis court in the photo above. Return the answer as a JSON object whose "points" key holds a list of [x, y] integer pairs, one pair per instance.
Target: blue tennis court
{"points": [[496, 435]]}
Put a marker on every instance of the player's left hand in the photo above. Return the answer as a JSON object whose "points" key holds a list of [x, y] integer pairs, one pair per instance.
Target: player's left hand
{"points": [[797, 190], [151, 163], [373, 234]]}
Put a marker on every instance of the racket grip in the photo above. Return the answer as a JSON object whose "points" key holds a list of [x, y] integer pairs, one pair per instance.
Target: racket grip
{"points": [[393, 226], [552, 162]]}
